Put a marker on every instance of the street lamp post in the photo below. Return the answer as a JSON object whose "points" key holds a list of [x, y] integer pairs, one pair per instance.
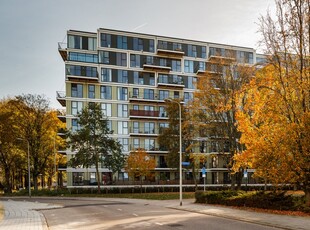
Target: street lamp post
{"points": [[28, 159], [180, 150]]}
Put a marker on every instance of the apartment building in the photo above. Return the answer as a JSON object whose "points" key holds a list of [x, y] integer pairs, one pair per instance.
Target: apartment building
{"points": [[130, 75]]}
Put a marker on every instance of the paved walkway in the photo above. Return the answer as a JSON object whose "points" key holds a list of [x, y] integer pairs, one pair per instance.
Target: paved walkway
{"points": [[23, 214]]}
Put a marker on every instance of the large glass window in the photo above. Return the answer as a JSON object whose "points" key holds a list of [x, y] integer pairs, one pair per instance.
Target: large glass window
{"points": [[125, 144], [163, 94], [91, 91], [121, 42], [76, 107], [151, 45], [136, 127], [188, 66], [136, 143], [75, 125], [122, 76], [187, 97], [104, 57], [106, 109], [122, 110], [149, 94], [105, 92], [76, 90], [137, 44], [135, 93], [162, 111], [105, 40], [135, 60], [176, 65], [82, 57], [106, 75], [121, 59], [149, 127], [149, 144], [122, 93], [86, 71], [122, 127]]}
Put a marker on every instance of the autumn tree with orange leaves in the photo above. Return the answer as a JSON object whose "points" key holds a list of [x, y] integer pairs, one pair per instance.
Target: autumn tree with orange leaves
{"points": [[275, 115], [213, 110]]}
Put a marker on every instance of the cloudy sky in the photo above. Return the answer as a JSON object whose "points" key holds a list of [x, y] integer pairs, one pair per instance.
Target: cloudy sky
{"points": [[31, 30]]}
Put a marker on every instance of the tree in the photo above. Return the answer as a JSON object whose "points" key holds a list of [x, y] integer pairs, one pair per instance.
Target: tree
{"points": [[93, 144], [38, 125], [213, 110], [140, 164], [275, 116], [10, 156]]}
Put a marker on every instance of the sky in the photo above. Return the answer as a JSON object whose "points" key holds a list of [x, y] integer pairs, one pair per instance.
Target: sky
{"points": [[31, 30]]}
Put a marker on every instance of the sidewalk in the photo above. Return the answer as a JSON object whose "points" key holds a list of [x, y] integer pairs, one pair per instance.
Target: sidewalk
{"points": [[268, 219], [22, 215]]}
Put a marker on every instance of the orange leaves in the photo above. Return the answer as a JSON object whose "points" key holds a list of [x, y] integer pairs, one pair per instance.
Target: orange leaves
{"points": [[139, 163]]}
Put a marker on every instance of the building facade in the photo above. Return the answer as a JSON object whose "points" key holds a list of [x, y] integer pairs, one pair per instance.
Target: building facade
{"points": [[131, 75]]}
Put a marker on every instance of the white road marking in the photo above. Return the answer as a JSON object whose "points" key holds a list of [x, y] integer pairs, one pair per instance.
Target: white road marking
{"points": [[120, 209], [159, 224], [135, 214]]}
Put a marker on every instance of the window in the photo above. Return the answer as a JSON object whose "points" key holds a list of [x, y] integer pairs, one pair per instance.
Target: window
{"points": [[149, 108], [135, 107], [202, 65], [106, 75], [76, 90], [192, 50], [135, 93], [149, 144], [82, 57], [149, 127], [163, 94], [122, 127], [125, 144], [137, 44], [122, 93], [91, 91], [135, 60], [92, 43], [151, 45], [162, 111], [163, 62], [152, 80], [76, 107], [122, 110], [75, 125], [86, 71], [176, 94], [106, 109], [121, 59], [162, 78], [176, 66], [136, 143], [122, 76], [105, 40], [121, 42], [162, 127], [188, 96], [203, 52], [149, 94], [104, 57], [162, 45], [106, 92], [136, 127], [188, 66], [109, 125]]}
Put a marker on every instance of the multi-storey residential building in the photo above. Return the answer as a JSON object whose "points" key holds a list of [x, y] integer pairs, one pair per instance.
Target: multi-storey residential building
{"points": [[131, 75]]}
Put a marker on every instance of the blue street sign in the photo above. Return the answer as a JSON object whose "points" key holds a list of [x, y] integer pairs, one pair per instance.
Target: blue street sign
{"points": [[185, 163], [203, 170]]}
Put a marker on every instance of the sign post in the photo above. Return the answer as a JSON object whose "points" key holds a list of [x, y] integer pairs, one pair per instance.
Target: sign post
{"points": [[204, 178]]}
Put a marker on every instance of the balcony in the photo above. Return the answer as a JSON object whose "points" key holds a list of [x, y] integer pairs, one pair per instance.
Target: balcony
{"points": [[143, 132], [145, 98], [61, 97], [62, 49], [154, 67], [148, 148], [61, 114], [176, 53], [143, 114], [221, 60], [170, 83], [82, 78]]}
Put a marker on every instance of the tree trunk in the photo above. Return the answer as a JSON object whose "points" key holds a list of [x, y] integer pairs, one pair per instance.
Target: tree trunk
{"points": [[7, 185], [98, 178], [307, 195]]}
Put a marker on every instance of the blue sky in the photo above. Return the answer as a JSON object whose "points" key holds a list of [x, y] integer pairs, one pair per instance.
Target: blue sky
{"points": [[31, 30]]}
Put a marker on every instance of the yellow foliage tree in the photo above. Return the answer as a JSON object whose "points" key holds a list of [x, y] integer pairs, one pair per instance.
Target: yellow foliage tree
{"points": [[139, 164], [275, 114]]}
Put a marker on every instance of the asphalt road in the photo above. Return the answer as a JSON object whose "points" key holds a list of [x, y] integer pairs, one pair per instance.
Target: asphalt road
{"points": [[87, 213]]}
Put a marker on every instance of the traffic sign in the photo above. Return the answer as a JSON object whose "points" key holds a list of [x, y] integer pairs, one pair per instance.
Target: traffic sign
{"points": [[185, 163]]}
